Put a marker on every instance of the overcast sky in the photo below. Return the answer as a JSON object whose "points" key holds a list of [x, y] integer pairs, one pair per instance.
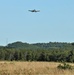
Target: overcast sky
{"points": [[54, 22]]}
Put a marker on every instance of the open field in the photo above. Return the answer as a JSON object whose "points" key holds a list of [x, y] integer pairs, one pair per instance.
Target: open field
{"points": [[32, 68]]}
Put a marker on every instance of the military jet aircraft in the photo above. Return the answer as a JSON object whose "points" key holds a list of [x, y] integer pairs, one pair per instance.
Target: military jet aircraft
{"points": [[34, 10]]}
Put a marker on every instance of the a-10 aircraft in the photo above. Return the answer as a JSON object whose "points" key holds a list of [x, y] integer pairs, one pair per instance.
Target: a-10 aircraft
{"points": [[34, 10]]}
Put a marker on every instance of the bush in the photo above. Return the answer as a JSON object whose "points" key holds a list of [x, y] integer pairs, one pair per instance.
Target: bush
{"points": [[65, 66]]}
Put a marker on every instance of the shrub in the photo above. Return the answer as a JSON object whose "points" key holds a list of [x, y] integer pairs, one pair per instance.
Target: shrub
{"points": [[65, 66]]}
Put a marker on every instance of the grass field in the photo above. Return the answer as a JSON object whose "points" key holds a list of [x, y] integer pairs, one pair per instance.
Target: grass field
{"points": [[32, 68]]}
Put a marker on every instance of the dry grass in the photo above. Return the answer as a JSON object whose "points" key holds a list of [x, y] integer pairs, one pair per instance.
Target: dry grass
{"points": [[32, 68]]}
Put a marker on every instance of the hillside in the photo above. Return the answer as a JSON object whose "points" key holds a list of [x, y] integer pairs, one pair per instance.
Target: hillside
{"points": [[52, 51], [50, 45]]}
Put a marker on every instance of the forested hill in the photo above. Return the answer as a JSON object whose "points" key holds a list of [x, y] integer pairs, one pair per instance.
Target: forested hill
{"points": [[50, 45], [52, 51], [21, 45]]}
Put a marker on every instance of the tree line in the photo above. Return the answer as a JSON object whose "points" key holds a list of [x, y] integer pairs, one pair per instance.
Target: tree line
{"points": [[57, 52]]}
